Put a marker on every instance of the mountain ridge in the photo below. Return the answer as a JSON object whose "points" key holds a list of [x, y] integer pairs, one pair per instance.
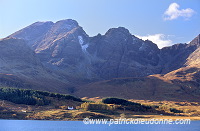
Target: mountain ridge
{"points": [[70, 58]]}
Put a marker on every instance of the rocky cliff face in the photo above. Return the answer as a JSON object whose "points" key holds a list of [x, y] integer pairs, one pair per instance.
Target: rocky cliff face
{"points": [[178, 55], [193, 59], [120, 54]]}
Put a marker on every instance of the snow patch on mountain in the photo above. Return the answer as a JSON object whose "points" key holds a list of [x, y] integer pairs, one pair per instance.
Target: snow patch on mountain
{"points": [[81, 42]]}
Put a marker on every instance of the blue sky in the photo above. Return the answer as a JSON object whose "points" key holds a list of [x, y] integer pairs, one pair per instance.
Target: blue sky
{"points": [[165, 22]]}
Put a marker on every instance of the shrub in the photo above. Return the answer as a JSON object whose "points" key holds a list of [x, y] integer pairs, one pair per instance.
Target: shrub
{"points": [[175, 110], [118, 101], [95, 106], [112, 100], [128, 105]]}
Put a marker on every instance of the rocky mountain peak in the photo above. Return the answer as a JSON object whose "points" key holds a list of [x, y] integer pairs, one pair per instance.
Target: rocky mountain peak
{"points": [[41, 23], [45, 31], [118, 31], [34, 32], [68, 22], [64, 26], [195, 41]]}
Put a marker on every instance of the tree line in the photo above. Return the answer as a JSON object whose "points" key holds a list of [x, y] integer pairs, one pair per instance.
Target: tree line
{"points": [[31, 97]]}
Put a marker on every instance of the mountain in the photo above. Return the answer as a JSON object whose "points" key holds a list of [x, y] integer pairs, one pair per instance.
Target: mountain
{"points": [[193, 59], [61, 57], [178, 55], [61, 48], [116, 54], [179, 79], [20, 67]]}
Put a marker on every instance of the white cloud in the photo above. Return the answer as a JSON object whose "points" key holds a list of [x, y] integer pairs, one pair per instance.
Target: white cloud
{"points": [[173, 12], [160, 39]]}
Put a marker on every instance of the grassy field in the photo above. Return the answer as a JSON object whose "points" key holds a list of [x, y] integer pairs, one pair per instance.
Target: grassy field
{"points": [[58, 110]]}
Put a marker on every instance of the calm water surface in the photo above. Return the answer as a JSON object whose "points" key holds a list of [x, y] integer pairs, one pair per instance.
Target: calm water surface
{"points": [[34, 125]]}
